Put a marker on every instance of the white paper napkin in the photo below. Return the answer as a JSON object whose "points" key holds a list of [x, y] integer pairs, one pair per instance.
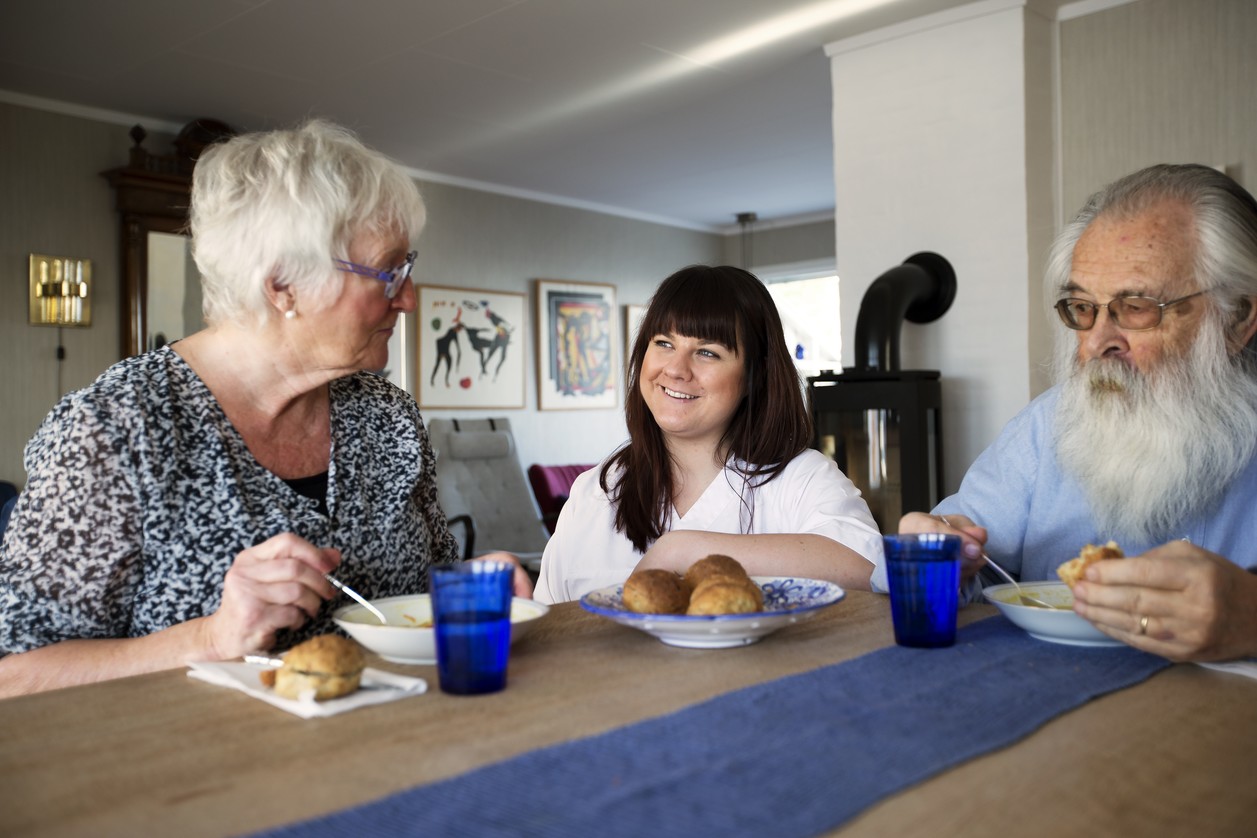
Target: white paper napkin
{"points": [[377, 687], [1248, 667]]}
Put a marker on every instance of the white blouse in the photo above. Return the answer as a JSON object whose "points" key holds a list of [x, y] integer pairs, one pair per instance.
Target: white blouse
{"points": [[811, 495]]}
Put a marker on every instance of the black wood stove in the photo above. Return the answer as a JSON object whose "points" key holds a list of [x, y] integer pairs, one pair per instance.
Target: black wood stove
{"points": [[880, 423]]}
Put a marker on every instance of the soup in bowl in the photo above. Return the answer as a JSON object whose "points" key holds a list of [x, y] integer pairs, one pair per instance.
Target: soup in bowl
{"points": [[409, 636]]}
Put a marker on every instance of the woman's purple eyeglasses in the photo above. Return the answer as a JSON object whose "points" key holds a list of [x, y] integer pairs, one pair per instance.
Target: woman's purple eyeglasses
{"points": [[393, 278]]}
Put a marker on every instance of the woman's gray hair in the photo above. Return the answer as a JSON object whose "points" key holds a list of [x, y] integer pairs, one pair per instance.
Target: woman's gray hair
{"points": [[1226, 229], [284, 204]]}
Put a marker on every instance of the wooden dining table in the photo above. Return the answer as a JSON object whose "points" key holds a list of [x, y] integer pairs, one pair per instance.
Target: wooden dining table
{"points": [[164, 754]]}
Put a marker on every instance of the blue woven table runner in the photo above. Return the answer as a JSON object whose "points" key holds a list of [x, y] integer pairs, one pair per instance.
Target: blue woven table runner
{"points": [[791, 757]]}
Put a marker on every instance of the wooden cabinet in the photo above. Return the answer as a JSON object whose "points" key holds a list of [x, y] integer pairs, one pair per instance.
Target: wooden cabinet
{"points": [[153, 193]]}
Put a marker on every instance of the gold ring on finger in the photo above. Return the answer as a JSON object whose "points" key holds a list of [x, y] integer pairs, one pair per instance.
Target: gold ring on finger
{"points": [[1143, 625]]}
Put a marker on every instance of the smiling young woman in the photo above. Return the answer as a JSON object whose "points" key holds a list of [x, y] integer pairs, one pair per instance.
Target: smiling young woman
{"points": [[692, 388], [718, 457]]}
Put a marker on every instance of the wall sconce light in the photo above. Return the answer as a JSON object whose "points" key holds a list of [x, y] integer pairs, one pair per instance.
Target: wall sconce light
{"points": [[60, 291]]}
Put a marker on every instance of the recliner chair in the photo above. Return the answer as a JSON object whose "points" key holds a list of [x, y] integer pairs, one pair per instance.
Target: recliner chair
{"points": [[478, 474]]}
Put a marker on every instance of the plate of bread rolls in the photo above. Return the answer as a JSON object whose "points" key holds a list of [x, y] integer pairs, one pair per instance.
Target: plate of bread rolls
{"points": [[1058, 624], [714, 605]]}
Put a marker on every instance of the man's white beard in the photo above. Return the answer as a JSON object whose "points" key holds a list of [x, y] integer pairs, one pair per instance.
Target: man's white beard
{"points": [[1152, 450]]}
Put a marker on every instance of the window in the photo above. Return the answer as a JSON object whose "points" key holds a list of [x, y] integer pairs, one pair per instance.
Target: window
{"points": [[807, 299]]}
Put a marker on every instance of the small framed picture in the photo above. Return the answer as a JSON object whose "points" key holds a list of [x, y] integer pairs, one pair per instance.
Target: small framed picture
{"points": [[576, 341], [470, 348], [632, 319]]}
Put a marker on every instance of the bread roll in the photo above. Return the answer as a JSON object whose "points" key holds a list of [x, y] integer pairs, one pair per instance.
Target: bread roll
{"points": [[713, 565], [713, 585], [1072, 570], [726, 595], [327, 666], [656, 592]]}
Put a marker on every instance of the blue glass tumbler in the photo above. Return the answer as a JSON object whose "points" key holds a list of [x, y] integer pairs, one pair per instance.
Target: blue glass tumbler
{"points": [[924, 574], [471, 612]]}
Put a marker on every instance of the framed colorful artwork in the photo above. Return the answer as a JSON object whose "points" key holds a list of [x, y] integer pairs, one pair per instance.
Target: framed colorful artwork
{"points": [[470, 348], [576, 341]]}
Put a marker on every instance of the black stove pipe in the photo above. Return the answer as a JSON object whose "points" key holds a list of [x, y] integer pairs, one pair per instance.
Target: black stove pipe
{"points": [[920, 290]]}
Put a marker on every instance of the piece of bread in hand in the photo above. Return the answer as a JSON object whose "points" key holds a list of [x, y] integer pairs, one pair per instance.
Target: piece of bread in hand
{"points": [[323, 667], [1072, 570]]}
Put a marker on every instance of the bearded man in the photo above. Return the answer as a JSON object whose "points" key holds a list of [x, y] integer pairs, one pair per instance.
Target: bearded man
{"points": [[1149, 436]]}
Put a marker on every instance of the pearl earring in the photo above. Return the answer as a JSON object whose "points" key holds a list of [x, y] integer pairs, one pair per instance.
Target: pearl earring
{"points": [[290, 314]]}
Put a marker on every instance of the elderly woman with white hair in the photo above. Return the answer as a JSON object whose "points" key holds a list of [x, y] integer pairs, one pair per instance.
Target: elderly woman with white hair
{"points": [[188, 504]]}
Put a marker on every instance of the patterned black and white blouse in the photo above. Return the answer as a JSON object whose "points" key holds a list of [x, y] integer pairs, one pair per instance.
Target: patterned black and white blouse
{"points": [[140, 493]]}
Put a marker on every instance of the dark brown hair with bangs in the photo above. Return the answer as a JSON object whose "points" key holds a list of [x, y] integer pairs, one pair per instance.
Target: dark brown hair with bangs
{"points": [[769, 428]]}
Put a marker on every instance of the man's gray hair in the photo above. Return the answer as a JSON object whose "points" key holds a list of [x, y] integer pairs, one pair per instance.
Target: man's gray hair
{"points": [[1226, 229], [284, 204]]}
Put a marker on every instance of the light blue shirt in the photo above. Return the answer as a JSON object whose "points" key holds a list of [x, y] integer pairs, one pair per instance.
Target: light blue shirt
{"points": [[1037, 516]]}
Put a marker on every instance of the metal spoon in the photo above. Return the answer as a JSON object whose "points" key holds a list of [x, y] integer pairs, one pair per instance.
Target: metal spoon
{"points": [[357, 597], [1026, 599]]}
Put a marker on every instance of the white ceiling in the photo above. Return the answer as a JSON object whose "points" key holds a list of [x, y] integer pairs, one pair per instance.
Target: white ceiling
{"points": [[685, 112]]}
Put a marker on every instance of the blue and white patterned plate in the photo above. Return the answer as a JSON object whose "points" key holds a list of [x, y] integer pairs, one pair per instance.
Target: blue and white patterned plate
{"points": [[787, 600]]}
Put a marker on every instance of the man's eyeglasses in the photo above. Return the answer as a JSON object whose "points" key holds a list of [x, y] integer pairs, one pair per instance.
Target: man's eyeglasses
{"points": [[1132, 313], [394, 278]]}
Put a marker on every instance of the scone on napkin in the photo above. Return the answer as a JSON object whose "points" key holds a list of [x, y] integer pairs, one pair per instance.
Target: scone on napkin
{"points": [[324, 667], [322, 685]]}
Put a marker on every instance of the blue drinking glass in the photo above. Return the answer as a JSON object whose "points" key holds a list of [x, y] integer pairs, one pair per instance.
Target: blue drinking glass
{"points": [[471, 612], [924, 574]]}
